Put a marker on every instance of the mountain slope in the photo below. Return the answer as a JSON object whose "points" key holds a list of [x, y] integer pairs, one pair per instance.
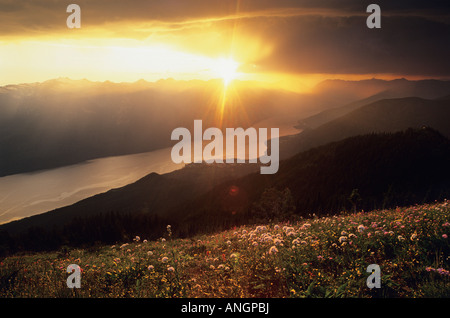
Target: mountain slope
{"points": [[401, 88], [387, 169], [387, 115], [153, 194]]}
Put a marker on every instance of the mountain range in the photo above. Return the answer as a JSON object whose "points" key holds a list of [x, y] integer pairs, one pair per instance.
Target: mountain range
{"points": [[61, 122]]}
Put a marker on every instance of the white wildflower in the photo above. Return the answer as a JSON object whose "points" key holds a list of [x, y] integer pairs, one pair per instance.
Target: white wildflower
{"points": [[273, 250], [278, 242]]}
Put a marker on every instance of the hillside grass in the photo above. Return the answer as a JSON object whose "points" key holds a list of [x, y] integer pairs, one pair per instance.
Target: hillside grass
{"points": [[319, 257]]}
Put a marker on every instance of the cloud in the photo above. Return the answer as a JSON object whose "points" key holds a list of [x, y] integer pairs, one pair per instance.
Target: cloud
{"points": [[293, 36], [404, 45]]}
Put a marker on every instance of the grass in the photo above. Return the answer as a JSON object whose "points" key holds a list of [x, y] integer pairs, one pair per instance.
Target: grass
{"points": [[320, 257]]}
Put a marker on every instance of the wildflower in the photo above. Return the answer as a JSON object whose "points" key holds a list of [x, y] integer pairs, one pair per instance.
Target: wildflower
{"points": [[267, 238], [276, 227], [137, 239], [343, 233], [278, 242], [255, 243], [288, 229], [361, 228], [212, 266], [273, 250], [291, 233], [442, 271], [401, 238], [261, 228], [229, 242], [151, 267], [444, 236], [165, 259], [170, 269], [342, 239], [220, 266], [413, 237], [233, 255], [144, 241], [124, 245], [149, 253], [351, 235]]}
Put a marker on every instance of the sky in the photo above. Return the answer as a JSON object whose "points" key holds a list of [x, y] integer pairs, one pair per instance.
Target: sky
{"points": [[291, 42]]}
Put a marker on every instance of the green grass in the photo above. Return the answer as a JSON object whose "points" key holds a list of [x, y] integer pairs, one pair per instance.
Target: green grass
{"points": [[321, 257]]}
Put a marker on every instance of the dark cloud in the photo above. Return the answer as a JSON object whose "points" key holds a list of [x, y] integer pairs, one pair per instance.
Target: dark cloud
{"points": [[403, 45], [51, 13]]}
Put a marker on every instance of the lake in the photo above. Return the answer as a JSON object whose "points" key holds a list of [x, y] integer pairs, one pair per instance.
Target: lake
{"points": [[27, 194]]}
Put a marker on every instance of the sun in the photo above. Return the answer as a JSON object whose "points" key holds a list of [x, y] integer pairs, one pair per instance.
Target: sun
{"points": [[226, 69]]}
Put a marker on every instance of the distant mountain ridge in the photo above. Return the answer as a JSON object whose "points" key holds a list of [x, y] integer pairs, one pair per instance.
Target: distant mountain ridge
{"points": [[62, 121]]}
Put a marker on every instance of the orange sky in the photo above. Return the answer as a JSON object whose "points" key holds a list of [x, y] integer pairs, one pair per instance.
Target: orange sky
{"points": [[293, 44]]}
